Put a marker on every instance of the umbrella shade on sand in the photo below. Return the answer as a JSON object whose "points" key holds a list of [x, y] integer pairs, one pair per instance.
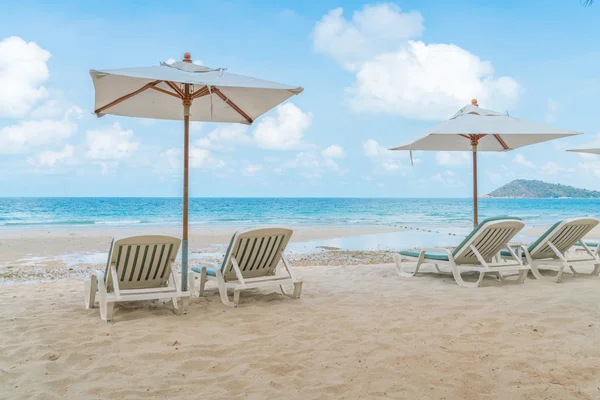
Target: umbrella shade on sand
{"points": [[189, 92], [477, 129]]}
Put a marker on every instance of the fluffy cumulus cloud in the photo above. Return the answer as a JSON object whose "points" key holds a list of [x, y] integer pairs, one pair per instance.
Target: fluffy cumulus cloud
{"points": [[447, 179], [27, 134], [451, 158], [111, 143], [202, 158], [333, 151], [396, 75], [370, 31], [383, 158], [285, 130], [51, 158], [521, 160], [23, 70]]}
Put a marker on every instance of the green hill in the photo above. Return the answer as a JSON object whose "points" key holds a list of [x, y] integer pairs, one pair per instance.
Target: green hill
{"points": [[524, 188]]}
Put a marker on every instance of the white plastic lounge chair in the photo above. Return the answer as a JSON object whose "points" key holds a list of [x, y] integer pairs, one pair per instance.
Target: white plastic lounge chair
{"points": [[595, 247], [138, 268], [552, 248], [478, 252], [250, 261]]}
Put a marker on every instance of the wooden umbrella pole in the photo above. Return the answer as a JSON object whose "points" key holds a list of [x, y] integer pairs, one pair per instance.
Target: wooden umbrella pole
{"points": [[187, 102], [475, 200]]}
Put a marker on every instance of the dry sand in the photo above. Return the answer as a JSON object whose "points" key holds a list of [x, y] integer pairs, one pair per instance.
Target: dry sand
{"points": [[357, 332]]}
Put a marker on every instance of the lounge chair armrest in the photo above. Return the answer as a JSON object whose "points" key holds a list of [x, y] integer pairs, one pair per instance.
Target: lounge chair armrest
{"points": [[98, 274], [435, 250]]}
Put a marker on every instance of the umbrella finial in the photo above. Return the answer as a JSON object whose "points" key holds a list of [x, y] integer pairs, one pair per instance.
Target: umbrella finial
{"points": [[187, 57], [474, 102]]}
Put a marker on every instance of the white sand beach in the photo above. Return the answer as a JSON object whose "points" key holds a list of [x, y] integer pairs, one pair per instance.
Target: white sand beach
{"points": [[357, 332]]}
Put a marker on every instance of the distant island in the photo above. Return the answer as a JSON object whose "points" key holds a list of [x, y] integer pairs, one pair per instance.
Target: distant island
{"points": [[523, 188]]}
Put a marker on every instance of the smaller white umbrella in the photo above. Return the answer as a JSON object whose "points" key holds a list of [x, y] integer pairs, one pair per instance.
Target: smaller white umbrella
{"points": [[477, 129], [589, 151]]}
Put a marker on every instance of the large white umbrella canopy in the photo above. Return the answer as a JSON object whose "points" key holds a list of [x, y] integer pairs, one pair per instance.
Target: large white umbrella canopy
{"points": [[189, 92], [589, 150], [476, 129]]}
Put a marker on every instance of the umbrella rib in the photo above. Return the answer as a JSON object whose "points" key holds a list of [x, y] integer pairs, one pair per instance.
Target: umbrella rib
{"points": [[166, 92], [127, 96], [501, 141], [231, 104], [175, 88], [202, 92]]}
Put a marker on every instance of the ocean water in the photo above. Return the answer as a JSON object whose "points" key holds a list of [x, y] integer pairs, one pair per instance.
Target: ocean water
{"points": [[437, 214]]}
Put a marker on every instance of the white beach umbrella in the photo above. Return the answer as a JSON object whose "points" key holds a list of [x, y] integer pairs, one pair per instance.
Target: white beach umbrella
{"points": [[189, 92], [476, 129], [589, 151]]}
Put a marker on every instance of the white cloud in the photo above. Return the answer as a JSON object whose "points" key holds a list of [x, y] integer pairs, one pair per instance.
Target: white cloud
{"points": [[383, 158], [251, 169], [231, 134], [196, 126], [23, 69], [26, 134], [50, 158], [372, 149], [170, 61], [451, 158], [368, 33], [448, 179], [333, 151], [395, 75], [311, 165], [110, 143], [172, 159], [592, 166], [284, 131], [521, 160], [551, 168]]}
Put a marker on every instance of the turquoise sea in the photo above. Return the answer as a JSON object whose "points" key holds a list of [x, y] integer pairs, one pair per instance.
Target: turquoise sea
{"points": [[439, 214]]}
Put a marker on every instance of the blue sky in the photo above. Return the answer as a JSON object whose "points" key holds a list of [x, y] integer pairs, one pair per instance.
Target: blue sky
{"points": [[374, 75]]}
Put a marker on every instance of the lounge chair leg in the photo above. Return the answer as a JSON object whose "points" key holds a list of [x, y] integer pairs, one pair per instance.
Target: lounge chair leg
{"points": [[185, 302], [90, 289], [203, 280], [398, 261], [596, 270], [106, 310], [535, 271], [573, 270], [297, 290], [458, 278], [522, 276], [174, 300], [236, 297], [224, 297], [192, 282]]}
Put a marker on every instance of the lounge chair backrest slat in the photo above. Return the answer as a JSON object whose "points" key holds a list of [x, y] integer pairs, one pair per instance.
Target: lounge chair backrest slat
{"points": [[142, 262], [563, 235], [488, 240], [257, 252]]}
